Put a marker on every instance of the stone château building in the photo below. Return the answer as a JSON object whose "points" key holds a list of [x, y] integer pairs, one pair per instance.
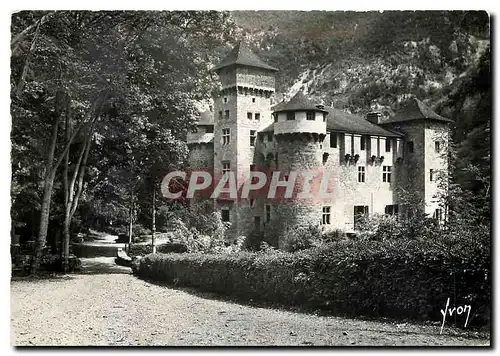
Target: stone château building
{"points": [[367, 158]]}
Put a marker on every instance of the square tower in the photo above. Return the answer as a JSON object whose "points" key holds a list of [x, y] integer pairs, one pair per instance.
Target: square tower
{"points": [[242, 107]]}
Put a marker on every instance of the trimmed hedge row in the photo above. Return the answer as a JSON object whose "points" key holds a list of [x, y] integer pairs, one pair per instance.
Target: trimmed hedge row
{"points": [[142, 250], [382, 279]]}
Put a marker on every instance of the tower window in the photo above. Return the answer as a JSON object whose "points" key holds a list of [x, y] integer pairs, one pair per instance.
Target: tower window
{"points": [[387, 145], [362, 143], [431, 175], [326, 215], [227, 114], [361, 174], [220, 115], [310, 115], [210, 129], [333, 140], [392, 209], [410, 146], [253, 100], [437, 146], [268, 213], [290, 115], [225, 100], [257, 116], [226, 167], [226, 136], [253, 136], [249, 115], [386, 174], [225, 215]]}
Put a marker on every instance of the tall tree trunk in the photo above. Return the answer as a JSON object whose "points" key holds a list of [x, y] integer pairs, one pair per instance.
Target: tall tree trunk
{"points": [[50, 173], [73, 197], [153, 221], [130, 220]]}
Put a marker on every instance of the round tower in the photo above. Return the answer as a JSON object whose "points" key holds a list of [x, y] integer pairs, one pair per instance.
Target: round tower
{"points": [[299, 129]]}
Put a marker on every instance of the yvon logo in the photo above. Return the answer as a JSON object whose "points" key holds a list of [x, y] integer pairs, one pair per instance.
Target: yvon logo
{"points": [[460, 310]]}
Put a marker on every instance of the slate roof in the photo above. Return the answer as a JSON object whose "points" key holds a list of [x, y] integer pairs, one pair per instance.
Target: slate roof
{"points": [[242, 55], [414, 109], [338, 120], [269, 128], [298, 102]]}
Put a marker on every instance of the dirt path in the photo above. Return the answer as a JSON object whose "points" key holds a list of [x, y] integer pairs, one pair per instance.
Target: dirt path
{"points": [[119, 309]]}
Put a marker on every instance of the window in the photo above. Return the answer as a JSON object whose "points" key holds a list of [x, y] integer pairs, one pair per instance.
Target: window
{"points": [[249, 115], [333, 140], [220, 115], [310, 115], [324, 117], [252, 201], [410, 146], [268, 213], [194, 130], [290, 115], [437, 146], [438, 214], [253, 136], [225, 100], [253, 100], [210, 129], [257, 116], [326, 215], [431, 175], [226, 167], [361, 174], [386, 175], [387, 145], [269, 137], [392, 209], [359, 212], [226, 136], [275, 116], [362, 143], [227, 114], [225, 215]]}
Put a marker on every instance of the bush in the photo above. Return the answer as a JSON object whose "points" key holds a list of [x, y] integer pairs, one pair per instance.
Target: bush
{"points": [[171, 247], [392, 278]]}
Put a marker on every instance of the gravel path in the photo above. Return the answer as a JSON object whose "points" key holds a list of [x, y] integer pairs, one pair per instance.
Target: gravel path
{"points": [[119, 309]]}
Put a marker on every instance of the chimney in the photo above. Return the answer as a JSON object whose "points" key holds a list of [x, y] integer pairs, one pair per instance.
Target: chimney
{"points": [[374, 117]]}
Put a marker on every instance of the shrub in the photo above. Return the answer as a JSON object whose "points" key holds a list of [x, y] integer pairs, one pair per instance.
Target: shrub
{"points": [[391, 278], [171, 247]]}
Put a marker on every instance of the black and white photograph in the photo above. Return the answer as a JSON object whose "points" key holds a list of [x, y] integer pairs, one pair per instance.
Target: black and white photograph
{"points": [[270, 178]]}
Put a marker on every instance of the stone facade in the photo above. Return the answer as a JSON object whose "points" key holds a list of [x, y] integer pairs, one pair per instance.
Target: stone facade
{"points": [[365, 168]]}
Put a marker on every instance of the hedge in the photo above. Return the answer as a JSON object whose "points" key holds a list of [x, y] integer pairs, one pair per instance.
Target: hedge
{"points": [[144, 249], [379, 279]]}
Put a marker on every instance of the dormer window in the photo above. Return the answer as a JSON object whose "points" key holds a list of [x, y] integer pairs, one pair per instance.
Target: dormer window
{"points": [[290, 115], [310, 115]]}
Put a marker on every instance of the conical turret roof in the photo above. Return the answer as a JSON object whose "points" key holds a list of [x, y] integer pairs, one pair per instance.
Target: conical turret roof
{"points": [[242, 55], [414, 109], [299, 102]]}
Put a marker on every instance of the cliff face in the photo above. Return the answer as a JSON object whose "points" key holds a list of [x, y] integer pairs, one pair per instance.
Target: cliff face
{"points": [[363, 61]]}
